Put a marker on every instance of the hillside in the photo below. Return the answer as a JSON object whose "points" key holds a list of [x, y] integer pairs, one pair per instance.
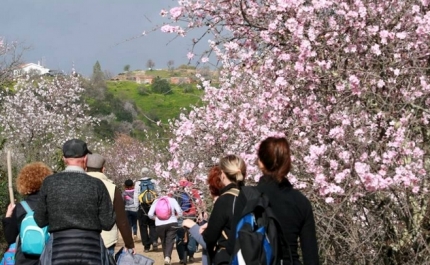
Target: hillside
{"points": [[158, 107]]}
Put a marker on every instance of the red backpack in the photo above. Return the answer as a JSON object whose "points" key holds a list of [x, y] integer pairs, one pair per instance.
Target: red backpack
{"points": [[163, 211]]}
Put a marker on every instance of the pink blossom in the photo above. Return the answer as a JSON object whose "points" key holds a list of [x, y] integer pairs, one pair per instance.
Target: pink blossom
{"points": [[190, 55], [176, 12]]}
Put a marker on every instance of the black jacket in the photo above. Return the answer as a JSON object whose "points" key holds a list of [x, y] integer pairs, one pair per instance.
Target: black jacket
{"points": [[11, 227], [219, 221], [294, 212]]}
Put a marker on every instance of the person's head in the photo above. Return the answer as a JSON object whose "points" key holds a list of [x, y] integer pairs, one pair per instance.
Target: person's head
{"points": [[75, 153], [144, 172], [184, 182], [274, 158], [31, 176], [129, 184], [233, 170], [214, 181], [95, 163]]}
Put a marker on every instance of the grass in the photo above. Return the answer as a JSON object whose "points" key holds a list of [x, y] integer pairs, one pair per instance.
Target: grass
{"points": [[156, 106]]}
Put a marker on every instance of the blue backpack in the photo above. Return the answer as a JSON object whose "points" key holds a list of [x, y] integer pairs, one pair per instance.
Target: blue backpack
{"points": [[33, 238], [259, 236], [185, 201], [147, 193], [9, 256]]}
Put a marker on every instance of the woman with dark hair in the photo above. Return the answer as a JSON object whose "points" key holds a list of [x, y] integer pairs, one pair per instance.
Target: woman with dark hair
{"points": [[28, 183], [130, 207], [292, 209]]}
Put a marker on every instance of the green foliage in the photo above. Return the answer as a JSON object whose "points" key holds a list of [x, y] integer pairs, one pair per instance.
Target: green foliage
{"points": [[161, 86], [189, 67], [162, 107], [104, 130], [143, 90], [187, 88]]}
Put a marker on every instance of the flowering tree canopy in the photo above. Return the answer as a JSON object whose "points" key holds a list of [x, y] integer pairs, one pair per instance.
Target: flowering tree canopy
{"points": [[40, 115], [346, 82], [126, 157]]}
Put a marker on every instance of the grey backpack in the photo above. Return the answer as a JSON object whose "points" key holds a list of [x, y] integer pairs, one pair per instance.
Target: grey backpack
{"points": [[127, 258]]}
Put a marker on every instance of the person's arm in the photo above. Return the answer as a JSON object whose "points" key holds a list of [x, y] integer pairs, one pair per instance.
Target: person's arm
{"points": [[121, 219], [41, 210], [106, 212], [194, 230], [308, 240], [216, 223], [152, 210], [176, 207], [10, 224]]}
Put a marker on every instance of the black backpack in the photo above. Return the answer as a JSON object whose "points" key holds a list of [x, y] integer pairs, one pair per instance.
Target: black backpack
{"points": [[259, 236]]}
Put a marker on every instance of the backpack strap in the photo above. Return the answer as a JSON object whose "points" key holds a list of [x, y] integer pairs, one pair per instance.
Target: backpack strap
{"points": [[26, 207], [233, 191]]}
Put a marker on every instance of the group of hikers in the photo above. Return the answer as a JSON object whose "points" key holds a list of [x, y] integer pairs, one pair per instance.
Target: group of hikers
{"points": [[78, 212]]}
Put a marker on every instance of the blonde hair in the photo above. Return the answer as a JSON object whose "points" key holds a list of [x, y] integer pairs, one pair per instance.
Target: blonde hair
{"points": [[233, 167]]}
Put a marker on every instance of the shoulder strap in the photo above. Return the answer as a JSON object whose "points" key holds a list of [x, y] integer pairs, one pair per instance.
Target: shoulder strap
{"points": [[26, 207], [233, 191]]}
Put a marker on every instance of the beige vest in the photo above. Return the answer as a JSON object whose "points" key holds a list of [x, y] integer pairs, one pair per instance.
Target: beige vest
{"points": [[109, 237]]}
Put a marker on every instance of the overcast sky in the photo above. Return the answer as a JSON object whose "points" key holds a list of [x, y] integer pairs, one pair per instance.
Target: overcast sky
{"points": [[80, 32]]}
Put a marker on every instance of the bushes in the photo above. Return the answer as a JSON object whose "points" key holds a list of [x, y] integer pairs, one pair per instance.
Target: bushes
{"points": [[161, 86]]}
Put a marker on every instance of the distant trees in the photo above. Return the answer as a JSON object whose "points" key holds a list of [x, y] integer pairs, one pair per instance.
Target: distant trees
{"points": [[97, 82], [126, 68], [170, 65], [10, 58], [150, 64], [161, 86], [37, 118]]}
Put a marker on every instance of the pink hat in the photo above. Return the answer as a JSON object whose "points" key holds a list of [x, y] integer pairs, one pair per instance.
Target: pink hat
{"points": [[185, 183]]}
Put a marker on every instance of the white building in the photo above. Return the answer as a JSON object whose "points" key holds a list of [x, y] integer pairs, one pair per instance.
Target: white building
{"points": [[30, 68]]}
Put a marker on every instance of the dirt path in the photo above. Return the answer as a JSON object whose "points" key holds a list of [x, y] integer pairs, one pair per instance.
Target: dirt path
{"points": [[158, 255]]}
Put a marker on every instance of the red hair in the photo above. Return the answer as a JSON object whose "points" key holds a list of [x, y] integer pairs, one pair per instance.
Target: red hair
{"points": [[214, 181], [31, 176]]}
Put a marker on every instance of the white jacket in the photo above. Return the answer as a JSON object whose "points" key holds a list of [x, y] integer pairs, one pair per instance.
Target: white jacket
{"points": [[109, 237]]}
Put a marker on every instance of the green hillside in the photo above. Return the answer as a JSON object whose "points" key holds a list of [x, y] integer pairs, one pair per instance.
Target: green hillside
{"points": [[156, 106]]}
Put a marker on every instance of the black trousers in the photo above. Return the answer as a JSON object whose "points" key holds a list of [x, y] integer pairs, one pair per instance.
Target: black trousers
{"points": [[148, 233]]}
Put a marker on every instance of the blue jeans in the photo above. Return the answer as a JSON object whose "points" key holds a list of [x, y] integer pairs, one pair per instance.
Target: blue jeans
{"points": [[132, 220], [190, 247], [111, 250]]}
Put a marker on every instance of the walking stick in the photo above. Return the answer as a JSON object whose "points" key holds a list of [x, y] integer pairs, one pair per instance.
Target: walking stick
{"points": [[9, 174]]}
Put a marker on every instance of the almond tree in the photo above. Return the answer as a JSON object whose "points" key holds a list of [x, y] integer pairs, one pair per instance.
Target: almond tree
{"points": [[347, 82], [39, 115], [10, 58]]}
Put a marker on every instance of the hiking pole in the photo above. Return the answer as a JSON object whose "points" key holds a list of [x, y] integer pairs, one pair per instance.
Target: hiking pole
{"points": [[9, 175]]}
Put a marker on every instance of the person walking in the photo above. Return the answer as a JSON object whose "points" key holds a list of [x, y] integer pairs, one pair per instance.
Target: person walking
{"points": [[291, 208], [77, 207], [130, 208], [233, 172], [166, 226], [28, 183], [96, 168], [146, 224]]}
